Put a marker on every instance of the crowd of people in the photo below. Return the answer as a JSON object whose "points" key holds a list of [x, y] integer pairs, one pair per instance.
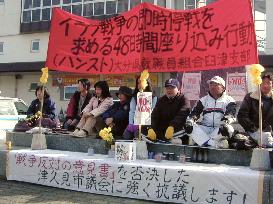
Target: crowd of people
{"points": [[208, 123]]}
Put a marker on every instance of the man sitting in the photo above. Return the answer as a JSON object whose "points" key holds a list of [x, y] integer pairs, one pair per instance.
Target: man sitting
{"points": [[170, 112], [218, 111], [248, 115]]}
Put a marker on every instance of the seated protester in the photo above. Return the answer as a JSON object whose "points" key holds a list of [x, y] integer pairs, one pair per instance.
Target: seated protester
{"points": [[248, 115], [117, 115], [49, 108], [132, 130], [170, 113], [97, 105], [77, 103], [218, 110]]}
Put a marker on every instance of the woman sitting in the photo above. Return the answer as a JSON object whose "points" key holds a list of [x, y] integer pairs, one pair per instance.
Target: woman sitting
{"points": [[95, 108], [77, 103], [117, 115], [49, 108]]}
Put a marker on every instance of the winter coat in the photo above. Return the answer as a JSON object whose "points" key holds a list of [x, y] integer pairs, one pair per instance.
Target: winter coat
{"points": [[133, 108], [73, 106], [170, 112], [214, 110], [49, 108], [97, 109], [248, 115], [120, 114]]}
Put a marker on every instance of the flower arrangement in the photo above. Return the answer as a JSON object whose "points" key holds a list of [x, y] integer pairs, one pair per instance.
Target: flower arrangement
{"points": [[107, 136], [143, 79], [255, 72]]}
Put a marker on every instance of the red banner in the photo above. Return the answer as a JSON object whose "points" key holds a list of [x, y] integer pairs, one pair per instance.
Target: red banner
{"points": [[216, 36]]}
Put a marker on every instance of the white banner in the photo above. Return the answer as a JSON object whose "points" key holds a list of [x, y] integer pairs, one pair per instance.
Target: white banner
{"points": [[143, 108], [236, 85], [191, 85], [167, 181]]}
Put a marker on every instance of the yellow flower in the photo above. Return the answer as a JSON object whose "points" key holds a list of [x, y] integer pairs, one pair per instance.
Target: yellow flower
{"points": [[39, 114], [44, 77], [143, 79], [255, 72], [106, 135]]}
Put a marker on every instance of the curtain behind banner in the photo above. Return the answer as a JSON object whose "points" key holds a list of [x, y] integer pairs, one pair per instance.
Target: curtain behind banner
{"points": [[216, 36]]}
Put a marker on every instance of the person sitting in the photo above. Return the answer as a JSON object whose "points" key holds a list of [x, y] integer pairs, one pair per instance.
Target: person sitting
{"points": [[77, 103], [49, 108], [218, 110], [248, 115], [97, 105], [117, 115], [170, 112], [132, 130]]}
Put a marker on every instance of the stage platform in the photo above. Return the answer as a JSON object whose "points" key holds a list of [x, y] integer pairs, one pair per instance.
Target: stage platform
{"points": [[66, 142]]}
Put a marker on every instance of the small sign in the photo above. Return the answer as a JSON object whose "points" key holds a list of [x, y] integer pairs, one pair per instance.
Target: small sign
{"points": [[125, 151], [143, 108]]}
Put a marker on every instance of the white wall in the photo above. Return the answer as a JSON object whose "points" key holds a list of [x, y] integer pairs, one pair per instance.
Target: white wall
{"points": [[10, 12], [269, 27], [17, 48]]}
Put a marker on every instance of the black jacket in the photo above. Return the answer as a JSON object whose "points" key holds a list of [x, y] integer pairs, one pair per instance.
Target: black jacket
{"points": [[170, 112], [120, 114]]}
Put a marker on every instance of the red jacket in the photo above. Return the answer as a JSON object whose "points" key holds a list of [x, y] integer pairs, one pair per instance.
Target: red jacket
{"points": [[72, 108]]}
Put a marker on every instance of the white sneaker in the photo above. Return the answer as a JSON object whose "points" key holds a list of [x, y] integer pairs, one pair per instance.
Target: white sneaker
{"points": [[75, 131], [222, 144], [176, 141], [81, 133]]}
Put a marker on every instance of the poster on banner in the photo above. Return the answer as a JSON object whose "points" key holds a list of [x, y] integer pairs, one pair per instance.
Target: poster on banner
{"points": [[236, 85], [156, 38], [167, 181], [143, 108], [191, 85]]}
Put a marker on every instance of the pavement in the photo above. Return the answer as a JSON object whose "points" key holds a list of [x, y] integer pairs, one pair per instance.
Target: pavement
{"points": [[13, 192]]}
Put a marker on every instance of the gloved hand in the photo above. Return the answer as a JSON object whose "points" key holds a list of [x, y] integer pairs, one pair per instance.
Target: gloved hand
{"points": [[132, 128], [189, 126], [227, 120], [151, 134], [226, 130], [169, 132]]}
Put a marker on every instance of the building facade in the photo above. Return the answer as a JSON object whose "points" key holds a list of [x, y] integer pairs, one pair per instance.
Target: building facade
{"points": [[24, 32]]}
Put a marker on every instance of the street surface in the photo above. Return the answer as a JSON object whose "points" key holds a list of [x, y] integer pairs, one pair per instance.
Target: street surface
{"points": [[13, 192]]}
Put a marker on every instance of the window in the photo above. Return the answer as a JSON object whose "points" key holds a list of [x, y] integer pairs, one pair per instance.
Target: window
{"points": [[88, 10], [69, 91], [33, 86], [46, 14], [134, 3], [77, 9], [35, 45], [122, 6], [110, 7], [1, 48], [99, 8], [161, 3]]}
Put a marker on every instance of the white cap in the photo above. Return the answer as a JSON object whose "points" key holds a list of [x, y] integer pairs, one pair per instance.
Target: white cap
{"points": [[218, 80]]}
